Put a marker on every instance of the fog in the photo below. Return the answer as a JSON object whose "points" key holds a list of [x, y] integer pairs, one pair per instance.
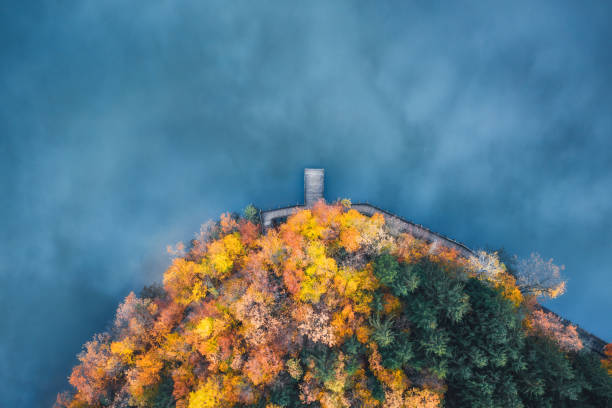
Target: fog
{"points": [[125, 125]]}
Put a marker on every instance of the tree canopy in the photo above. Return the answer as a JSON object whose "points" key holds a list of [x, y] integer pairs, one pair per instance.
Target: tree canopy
{"points": [[332, 310]]}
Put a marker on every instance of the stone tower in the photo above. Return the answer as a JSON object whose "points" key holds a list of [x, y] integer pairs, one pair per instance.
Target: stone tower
{"points": [[313, 186]]}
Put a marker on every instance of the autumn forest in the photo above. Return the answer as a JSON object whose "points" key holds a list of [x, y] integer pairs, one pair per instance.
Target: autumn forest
{"points": [[330, 309]]}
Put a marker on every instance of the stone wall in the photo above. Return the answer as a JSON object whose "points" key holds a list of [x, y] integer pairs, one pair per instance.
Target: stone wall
{"points": [[398, 225], [268, 217]]}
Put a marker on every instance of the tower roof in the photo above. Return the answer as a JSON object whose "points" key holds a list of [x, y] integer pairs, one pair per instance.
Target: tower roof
{"points": [[314, 183]]}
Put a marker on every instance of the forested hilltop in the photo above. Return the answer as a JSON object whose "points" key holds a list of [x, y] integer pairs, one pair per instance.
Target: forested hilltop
{"points": [[332, 310]]}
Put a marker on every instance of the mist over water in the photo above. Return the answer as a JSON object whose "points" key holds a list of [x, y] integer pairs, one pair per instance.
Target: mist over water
{"points": [[124, 126]]}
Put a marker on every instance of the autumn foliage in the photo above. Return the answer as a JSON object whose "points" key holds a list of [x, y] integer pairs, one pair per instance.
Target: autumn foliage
{"points": [[607, 361], [547, 324], [330, 310]]}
